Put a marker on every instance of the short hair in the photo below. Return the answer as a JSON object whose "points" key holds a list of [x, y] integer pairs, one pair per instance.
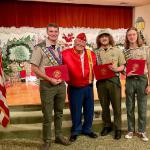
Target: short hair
{"points": [[127, 43], [111, 40], [52, 25]]}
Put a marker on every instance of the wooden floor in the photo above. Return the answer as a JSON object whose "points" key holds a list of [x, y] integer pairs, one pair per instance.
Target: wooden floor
{"points": [[20, 93]]}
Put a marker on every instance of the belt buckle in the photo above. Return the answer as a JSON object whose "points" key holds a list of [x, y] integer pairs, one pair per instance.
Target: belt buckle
{"points": [[135, 78]]}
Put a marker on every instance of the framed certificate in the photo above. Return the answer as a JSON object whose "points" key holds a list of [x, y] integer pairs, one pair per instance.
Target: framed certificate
{"points": [[57, 72], [103, 72], [135, 65]]}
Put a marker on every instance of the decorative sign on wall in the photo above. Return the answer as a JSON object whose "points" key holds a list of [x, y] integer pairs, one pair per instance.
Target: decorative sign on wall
{"points": [[140, 23]]}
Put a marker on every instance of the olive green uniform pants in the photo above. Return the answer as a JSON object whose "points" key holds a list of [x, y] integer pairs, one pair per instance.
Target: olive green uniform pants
{"points": [[52, 98], [135, 90], [109, 91]]}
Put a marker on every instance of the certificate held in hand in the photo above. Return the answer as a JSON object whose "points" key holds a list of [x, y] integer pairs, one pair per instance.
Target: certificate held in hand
{"points": [[103, 72], [57, 72], [135, 65]]}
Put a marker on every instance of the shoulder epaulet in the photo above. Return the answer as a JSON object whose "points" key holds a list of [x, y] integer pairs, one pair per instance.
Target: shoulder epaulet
{"points": [[42, 44], [96, 50]]}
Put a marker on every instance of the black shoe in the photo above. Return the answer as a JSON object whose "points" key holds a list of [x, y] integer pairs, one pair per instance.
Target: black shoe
{"points": [[73, 138], [106, 130], [46, 146], [91, 135], [117, 134]]}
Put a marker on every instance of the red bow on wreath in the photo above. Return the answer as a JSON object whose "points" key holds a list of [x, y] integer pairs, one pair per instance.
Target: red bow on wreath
{"points": [[69, 37]]}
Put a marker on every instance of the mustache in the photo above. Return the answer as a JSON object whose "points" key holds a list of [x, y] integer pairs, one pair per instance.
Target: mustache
{"points": [[104, 40]]}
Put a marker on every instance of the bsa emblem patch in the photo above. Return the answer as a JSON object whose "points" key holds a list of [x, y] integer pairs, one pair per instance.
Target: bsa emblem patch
{"points": [[135, 67], [57, 74], [103, 71]]}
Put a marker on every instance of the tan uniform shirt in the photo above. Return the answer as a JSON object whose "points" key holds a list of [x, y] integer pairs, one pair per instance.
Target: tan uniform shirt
{"points": [[111, 55], [139, 53], [39, 58]]}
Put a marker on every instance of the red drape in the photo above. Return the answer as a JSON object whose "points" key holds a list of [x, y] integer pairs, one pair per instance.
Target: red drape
{"points": [[39, 14]]}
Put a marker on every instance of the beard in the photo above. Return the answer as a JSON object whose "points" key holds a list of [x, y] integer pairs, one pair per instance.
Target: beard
{"points": [[104, 43]]}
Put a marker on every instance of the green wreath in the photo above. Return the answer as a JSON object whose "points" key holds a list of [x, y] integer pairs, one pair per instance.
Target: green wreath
{"points": [[18, 52]]}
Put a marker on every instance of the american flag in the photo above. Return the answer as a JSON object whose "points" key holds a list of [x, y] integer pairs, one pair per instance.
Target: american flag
{"points": [[4, 111]]}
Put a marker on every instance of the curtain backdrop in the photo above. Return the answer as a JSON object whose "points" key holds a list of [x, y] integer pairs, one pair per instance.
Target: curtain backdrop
{"points": [[39, 14]]}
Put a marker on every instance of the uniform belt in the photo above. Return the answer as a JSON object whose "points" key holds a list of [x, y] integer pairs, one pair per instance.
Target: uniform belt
{"points": [[133, 77], [81, 86], [136, 77], [46, 81]]}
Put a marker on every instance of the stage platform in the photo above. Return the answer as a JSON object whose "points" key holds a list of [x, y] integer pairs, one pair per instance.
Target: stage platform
{"points": [[27, 93]]}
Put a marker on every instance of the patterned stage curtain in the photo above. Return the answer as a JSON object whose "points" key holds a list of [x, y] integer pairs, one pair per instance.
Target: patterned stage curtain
{"points": [[39, 14]]}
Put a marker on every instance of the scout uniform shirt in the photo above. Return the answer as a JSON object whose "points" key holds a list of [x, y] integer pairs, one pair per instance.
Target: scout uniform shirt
{"points": [[139, 53], [44, 54], [111, 55]]}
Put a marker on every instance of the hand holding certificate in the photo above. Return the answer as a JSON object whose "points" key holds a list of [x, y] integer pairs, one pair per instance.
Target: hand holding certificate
{"points": [[135, 67], [57, 72], [103, 72]]}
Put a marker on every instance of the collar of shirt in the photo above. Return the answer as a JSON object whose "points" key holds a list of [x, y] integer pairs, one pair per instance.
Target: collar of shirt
{"points": [[82, 61], [137, 48], [82, 55], [109, 48], [48, 44]]}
